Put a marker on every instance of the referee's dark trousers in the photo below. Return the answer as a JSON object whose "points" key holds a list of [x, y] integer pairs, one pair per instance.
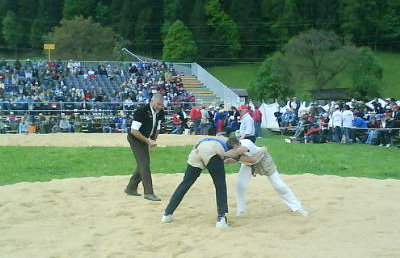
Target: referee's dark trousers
{"points": [[141, 152], [217, 171]]}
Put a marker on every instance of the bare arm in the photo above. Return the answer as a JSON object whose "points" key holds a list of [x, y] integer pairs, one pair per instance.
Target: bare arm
{"points": [[233, 153], [256, 157], [230, 161]]}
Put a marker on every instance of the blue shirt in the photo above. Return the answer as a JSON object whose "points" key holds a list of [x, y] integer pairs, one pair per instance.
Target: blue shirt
{"points": [[223, 143], [360, 123]]}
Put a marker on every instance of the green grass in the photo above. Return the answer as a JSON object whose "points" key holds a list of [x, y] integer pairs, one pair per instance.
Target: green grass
{"points": [[390, 63], [29, 164], [241, 76], [235, 76]]}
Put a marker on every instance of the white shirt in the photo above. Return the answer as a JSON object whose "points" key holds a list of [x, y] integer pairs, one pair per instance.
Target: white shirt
{"points": [[204, 116], [247, 126], [348, 118], [252, 148], [337, 118]]}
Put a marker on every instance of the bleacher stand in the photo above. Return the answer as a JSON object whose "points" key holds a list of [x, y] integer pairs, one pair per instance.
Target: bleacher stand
{"points": [[83, 88]]}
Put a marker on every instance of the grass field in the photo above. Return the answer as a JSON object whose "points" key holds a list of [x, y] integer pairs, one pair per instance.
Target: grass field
{"points": [[241, 76], [29, 164]]}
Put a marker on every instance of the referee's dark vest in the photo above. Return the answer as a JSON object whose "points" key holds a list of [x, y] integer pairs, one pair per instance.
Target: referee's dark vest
{"points": [[143, 115]]}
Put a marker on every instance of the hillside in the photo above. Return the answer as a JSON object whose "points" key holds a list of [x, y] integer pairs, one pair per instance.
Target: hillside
{"points": [[241, 75]]}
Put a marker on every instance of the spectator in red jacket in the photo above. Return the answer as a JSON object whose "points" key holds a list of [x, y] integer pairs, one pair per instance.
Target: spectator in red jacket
{"points": [[195, 117], [257, 116]]}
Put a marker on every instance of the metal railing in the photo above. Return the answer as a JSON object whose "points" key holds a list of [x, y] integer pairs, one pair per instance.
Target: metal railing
{"points": [[221, 90], [229, 97], [82, 107]]}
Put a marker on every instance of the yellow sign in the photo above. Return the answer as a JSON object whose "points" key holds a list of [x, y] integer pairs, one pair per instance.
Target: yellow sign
{"points": [[49, 46]]}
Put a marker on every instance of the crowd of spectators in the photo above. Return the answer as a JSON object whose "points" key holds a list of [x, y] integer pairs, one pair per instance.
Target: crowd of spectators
{"points": [[376, 122], [212, 120], [31, 91], [44, 85]]}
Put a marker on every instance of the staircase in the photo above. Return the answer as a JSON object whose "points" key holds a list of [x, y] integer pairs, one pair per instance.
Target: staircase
{"points": [[202, 94]]}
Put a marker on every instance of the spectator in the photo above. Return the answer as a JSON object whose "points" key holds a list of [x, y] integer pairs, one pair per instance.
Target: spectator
{"points": [[23, 126], [31, 128], [65, 125], [337, 120], [294, 104], [257, 116], [347, 118], [195, 117], [211, 115], [288, 118], [219, 120], [232, 123], [313, 135], [359, 130], [176, 122], [302, 127], [3, 128], [205, 121]]}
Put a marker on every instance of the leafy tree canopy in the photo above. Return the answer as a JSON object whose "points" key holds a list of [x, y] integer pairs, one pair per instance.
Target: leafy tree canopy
{"points": [[82, 39], [179, 45]]}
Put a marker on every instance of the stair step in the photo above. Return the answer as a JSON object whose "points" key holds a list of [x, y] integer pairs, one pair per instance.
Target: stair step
{"points": [[203, 95]]}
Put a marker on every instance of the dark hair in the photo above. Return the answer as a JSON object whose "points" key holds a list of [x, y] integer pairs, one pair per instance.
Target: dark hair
{"points": [[232, 141]]}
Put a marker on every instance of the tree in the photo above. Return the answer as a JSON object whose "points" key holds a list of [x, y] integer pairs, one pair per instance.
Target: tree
{"points": [[26, 11], [366, 75], [48, 15], [179, 45], [197, 24], [360, 28], [172, 12], [282, 19], [127, 17], [85, 8], [12, 31], [147, 38], [6, 6], [246, 15], [272, 80], [120, 43], [224, 33], [391, 24], [81, 38], [141, 42], [317, 57], [102, 14]]}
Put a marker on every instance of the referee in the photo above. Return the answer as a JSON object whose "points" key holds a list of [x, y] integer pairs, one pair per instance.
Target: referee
{"points": [[142, 137]]}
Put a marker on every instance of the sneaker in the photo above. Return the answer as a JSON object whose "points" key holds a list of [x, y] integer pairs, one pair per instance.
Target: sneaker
{"points": [[167, 218], [302, 212], [221, 223], [151, 197]]}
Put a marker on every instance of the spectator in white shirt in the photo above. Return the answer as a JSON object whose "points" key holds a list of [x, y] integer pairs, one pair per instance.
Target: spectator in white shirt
{"points": [[337, 121], [347, 117]]}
